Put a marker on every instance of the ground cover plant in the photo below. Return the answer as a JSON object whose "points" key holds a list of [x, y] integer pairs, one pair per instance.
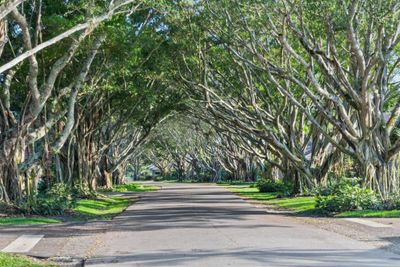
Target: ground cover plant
{"points": [[8, 260]]}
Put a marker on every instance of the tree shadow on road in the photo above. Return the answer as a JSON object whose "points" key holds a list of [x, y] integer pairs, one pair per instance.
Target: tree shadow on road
{"points": [[250, 257]]}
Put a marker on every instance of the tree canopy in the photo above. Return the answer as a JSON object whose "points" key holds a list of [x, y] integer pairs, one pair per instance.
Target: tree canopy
{"points": [[295, 90]]}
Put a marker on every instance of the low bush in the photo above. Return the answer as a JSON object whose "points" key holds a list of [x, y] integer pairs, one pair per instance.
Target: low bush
{"points": [[55, 201], [346, 195], [8, 208], [392, 202], [269, 186], [82, 191]]}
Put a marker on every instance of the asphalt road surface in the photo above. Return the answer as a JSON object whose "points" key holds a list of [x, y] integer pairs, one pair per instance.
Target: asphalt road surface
{"points": [[203, 225]]}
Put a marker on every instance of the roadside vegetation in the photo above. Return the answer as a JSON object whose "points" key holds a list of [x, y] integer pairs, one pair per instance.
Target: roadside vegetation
{"points": [[9, 260], [132, 188], [296, 204], [341, 199], [62, 204], [27, 220]]}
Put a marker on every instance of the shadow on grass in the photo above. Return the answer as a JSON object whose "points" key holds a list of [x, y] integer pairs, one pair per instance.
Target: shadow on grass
{"points": [[298, 206], [103, 208]]}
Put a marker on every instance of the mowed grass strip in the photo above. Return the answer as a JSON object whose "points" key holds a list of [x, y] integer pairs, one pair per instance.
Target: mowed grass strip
{"points": [[370, 214], [107, 207], [134, 188], [27, 220], [10, 260], [296, 204], [252, 193], [102, 208]]}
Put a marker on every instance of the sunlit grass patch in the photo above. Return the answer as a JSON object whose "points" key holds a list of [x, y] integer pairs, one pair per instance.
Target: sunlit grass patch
{"points": [[134, 188], [296, 204], [370, 213], [9, 260], [252, 193], [103, 208]]}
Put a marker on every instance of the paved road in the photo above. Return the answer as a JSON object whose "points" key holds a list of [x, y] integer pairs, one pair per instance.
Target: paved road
{"points": [[201, 225]]}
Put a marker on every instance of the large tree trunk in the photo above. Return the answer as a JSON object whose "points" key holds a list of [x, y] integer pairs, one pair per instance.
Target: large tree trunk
{"points": [[105, 176], [119, 176], [379, 175], [11, 180], [9, 160]]}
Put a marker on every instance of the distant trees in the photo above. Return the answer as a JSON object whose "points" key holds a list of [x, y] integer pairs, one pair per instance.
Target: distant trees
{"points": [[187, 148]]}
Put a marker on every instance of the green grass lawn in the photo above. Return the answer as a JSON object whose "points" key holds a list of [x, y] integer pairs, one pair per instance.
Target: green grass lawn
{"points": [[236, 183], [252, 193], [102, 208], [9, 260], [370, 213], [134, 188], [108, 206], [27, 220], [296, 204]]}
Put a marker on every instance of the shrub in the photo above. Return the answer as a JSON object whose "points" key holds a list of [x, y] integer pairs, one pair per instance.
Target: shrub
{"points": [[267, 185], [82, 191], [55, 201], [346, 195], [392, 202]]}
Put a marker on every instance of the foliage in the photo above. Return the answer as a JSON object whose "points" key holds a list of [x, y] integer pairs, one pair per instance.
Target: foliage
{"points": [[306, 204], [205, 94], [268, 185], [392, 202], [55, 201], [346, 195], [82, 191]]}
